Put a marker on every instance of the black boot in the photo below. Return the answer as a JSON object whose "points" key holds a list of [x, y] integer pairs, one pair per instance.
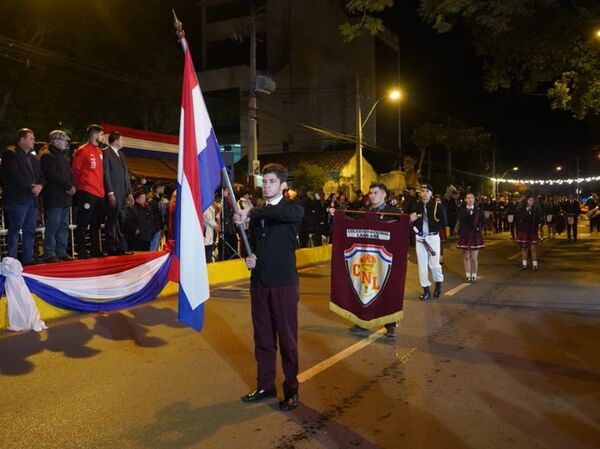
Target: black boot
{"points": [[426, 294], [438, 290]]}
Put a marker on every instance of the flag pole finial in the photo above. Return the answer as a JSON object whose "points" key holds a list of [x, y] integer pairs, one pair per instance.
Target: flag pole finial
{"points": [[178, 27]]}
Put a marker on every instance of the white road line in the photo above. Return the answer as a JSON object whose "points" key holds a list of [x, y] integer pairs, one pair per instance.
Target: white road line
{"points": [[514, 256], [328, 363], [456, 289]]}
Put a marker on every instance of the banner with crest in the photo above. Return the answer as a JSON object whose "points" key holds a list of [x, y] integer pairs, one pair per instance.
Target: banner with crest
{"points": [[368, 268]]}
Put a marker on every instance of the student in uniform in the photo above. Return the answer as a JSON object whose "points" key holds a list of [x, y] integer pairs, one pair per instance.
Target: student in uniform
{"points": [[471, 220], [529, 214]]}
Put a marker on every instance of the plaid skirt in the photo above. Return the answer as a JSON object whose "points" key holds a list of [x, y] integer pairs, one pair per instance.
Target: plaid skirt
{"points": [[527, 238], [470, 242]]}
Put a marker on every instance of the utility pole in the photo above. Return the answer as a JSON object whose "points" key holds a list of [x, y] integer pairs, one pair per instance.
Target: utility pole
{"points": [[359, 164], [577, 175], [495, 189], [253, 163]]}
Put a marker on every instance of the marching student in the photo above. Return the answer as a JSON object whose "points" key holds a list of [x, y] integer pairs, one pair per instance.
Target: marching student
{"points": [[274, 289], [428, 218], [511, 209], [471, 220], [530, 215], [377, 195], [571, 210]]}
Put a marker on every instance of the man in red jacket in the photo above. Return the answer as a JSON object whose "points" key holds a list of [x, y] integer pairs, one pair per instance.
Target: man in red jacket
{"points": [[88, 175]]}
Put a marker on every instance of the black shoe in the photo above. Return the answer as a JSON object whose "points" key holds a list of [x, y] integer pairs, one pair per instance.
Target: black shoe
{"points": [[390, 331], [535, 268], [289, 403], [426, 294], [259, 395], [469, 280], [438, 290], [473, 280], [52, 260], [66, 258], [523, 267], [356, 329]]}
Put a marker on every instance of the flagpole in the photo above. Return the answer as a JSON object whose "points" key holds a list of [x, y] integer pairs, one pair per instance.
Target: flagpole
{"points": [[224, 175]]}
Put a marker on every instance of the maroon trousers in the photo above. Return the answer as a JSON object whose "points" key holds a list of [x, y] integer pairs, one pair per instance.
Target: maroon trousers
{"points": [[275, 317]]}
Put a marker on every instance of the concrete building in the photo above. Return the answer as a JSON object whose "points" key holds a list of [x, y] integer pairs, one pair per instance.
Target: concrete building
{"points": [[301, 49]]}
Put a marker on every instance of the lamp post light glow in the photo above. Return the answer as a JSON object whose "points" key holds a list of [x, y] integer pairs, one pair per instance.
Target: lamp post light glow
{"points": [[392, 95], [559, 168]]}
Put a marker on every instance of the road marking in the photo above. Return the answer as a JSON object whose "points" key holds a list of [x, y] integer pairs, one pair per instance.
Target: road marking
{"points": [[456, 289], [328, 363], [514, 256]]}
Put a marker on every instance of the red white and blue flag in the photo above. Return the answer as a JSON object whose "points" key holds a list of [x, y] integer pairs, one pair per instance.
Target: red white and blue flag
{"points": [[198, 177]]}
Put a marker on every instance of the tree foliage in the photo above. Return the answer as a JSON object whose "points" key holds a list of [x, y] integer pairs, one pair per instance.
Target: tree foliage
{"points": [[365, 21], [535, 46], [310, 176]]}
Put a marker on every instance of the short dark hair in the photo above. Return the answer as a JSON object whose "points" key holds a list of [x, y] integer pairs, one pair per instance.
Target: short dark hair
{"points": [[279, 170], [23, 133], [138, 193], [93, 128], [114, 136], [379, 185], [469, 193]]}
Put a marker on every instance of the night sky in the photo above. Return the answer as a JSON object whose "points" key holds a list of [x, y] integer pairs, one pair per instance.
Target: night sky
{"points": [[441, 76]]}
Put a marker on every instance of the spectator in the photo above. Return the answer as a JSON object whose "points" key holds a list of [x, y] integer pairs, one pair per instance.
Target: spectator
{"points": [[211, 229], [153, 199], [23, 182], [140, 223], [118, 187], [88, 173], [58, 197]]}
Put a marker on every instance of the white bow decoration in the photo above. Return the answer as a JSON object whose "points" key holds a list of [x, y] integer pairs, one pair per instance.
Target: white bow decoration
{"points": [[23, 314]]}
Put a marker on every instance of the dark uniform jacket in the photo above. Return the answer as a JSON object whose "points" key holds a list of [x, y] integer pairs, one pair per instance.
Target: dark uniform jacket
{"points": [[19, 172], [385, 208], [529, 219], [273, 231], [469, 223], [571, 208], [59, 178], [436, 215]]}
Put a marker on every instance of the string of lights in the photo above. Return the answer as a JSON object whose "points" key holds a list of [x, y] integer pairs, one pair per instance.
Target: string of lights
{"points": [[548, 181]]}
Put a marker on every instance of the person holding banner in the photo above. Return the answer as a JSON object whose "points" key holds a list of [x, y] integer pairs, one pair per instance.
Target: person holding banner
{"points": [[274, 289], [471, 220], [530, 215], [377, 196], [427, 219]]}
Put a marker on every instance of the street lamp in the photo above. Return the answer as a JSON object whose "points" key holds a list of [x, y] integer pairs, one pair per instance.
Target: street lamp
{"points": [[392, 95], [597, 34], [558, 168]]}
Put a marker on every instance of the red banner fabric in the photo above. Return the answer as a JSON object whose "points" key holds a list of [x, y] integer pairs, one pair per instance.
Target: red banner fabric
{"points": [[368, 268]]}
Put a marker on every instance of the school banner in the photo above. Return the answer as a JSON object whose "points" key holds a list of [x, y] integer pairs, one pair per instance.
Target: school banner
{"points": [[368, 268]]}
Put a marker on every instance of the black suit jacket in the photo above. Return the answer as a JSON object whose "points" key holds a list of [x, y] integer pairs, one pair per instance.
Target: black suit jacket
{"points": [[19, 172], [273, 231], [59, 178], [116, 174]]}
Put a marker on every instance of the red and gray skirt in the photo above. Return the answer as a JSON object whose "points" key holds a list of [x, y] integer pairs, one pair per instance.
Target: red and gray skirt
{"points": [[470, 242], [525, 238]]}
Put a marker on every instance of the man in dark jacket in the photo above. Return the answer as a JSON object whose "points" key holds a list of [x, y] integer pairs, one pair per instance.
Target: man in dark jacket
{"points": [[23, 182], [274, 286], [571, 210], [140, 223], [58, 197], [118, 190]]}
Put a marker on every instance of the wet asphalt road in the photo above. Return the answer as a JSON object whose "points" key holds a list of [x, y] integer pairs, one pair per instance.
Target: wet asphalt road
{"points": [[512, 361]]}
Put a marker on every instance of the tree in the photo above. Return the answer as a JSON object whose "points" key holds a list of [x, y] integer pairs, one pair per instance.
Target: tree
{"points": [[453, 136], [310, 176], [365, 20], [547, 47]]}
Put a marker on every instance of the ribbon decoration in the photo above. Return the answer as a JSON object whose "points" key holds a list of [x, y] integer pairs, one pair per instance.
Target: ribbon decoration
{"points": [[23, 314], [84, 286]]}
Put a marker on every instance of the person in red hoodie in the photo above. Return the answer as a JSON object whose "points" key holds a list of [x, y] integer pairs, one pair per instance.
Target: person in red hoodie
{"points": [[88, 175]]}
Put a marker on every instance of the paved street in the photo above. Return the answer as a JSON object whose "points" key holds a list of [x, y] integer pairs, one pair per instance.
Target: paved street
{"points": [[512, 361]]}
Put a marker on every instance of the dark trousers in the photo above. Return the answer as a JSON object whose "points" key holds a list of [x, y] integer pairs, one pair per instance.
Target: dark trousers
{"points": [[571, 229], [112, 228], [595, 223], [208, 251], [22, 217], [90, 209], [275, 317], [56, 235]]}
